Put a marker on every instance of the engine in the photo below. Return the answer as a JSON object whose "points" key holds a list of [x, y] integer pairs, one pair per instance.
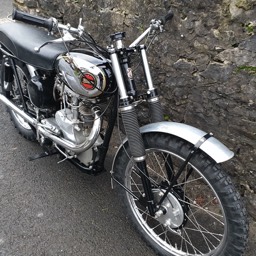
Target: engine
{"points": [[77, 123]]}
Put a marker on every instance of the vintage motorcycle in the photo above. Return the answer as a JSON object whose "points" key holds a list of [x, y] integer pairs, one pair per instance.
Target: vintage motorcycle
{"points": [[68, 93]]}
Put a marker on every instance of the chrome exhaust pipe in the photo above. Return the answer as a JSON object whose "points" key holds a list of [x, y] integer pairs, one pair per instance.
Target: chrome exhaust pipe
{"points": [[76, 148], [9, 104]]}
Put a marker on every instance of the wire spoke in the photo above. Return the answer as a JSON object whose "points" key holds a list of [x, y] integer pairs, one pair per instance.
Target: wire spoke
{"points": [[202, 229], [188, 240], [203, 233], [137, 186], [152, 168], [187, 182], [211, 213]]}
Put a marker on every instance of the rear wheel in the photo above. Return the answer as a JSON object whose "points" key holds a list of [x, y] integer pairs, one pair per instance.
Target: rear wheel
{"points": [[13, 94], [203, 214]]}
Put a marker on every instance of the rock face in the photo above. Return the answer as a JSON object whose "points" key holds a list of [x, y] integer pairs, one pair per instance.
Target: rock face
{"points": [[204, 64]]}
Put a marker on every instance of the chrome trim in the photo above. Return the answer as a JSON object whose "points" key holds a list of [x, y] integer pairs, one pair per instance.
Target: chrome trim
{"points": [[139, 159], [155, 99], [140, 38], [31, 70], [22, 121], [119, 44], [18, 111], [146, 69], [118, 75], [123, 109], [7, 86]]}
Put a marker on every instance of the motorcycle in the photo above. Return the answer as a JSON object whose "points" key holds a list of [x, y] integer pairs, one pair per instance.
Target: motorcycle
{"points": [[68, 93]]}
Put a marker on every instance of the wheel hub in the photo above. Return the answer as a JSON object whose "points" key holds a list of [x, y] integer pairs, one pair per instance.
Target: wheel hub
{"points": [[171, 214]]}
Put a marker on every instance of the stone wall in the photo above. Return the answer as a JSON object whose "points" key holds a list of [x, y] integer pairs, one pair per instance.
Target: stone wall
{"points": [[204, 64]]}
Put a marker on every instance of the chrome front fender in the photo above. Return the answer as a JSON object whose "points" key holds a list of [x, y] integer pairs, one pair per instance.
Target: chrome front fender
{"points": [[212, 147]]}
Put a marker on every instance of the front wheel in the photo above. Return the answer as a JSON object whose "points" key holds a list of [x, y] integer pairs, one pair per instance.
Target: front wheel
{"points": [[203, 213]]}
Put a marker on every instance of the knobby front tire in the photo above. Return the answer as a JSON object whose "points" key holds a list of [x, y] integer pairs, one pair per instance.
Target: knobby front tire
{"points": [[204, 213]]}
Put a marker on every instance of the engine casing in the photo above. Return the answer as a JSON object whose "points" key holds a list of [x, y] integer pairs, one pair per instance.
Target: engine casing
{"points": [[86, 73]]}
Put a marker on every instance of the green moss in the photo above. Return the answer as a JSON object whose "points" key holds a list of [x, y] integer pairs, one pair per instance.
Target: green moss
{"points": [[167, 118], [250, 28], [249, 69]]}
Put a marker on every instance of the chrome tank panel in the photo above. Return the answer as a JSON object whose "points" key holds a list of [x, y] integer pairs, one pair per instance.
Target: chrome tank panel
{"points": [[73, 69]]}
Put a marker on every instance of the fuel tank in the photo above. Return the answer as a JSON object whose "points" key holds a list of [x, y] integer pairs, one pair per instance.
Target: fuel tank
{"points": [[87, 73]]}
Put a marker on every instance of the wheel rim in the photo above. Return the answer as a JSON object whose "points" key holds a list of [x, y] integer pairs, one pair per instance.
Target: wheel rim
{"points": [[203, 229]]}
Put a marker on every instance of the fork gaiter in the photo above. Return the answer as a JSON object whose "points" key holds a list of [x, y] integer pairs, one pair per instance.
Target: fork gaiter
{"points": [[155, 111], [132, 129]]}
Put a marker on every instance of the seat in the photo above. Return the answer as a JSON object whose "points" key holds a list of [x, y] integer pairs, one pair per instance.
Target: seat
{"points": [[22, 39]]}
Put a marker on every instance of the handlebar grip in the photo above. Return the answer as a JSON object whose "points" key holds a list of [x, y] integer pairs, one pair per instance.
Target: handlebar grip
{"points": [[167, 17], [32, 19]]}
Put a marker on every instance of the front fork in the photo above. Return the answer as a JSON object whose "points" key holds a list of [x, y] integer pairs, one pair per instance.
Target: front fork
{"points": [[127, 91], [137, 148], [132, 128]]}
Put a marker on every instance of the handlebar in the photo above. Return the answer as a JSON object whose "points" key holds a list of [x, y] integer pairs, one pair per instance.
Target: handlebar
{"points": [[52, 23], [167, 17], [33, 20], [154, 25]]}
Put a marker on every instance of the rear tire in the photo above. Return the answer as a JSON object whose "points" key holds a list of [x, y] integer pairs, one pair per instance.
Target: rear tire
{"points": [[204, 213]]}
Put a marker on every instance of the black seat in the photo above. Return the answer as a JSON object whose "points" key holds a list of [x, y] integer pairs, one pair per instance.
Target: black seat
{"points": [[21, 39]]}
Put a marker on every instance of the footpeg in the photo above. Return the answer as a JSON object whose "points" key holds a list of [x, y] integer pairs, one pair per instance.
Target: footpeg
{"points": [[43, 154]]}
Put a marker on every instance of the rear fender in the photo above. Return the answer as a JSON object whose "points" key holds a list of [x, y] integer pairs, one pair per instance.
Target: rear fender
{"points": [[212, 147]]}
